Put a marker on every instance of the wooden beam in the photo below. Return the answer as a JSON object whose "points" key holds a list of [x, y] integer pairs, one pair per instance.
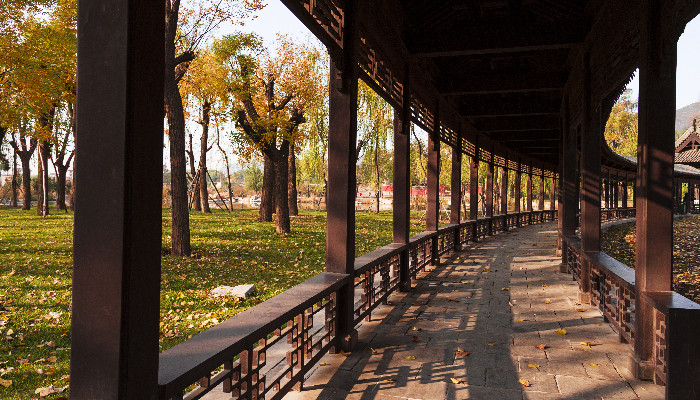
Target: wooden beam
{"points": [[514, 124], [503, 83]]}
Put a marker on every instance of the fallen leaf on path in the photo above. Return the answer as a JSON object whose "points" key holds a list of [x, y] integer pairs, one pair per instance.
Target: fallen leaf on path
{"points": [[580, 310], [389, 380], [542, 346], [457, 381], [560, 332], [491, 344], [505, 289], [342, 353], [410, 357], [373, 351], [323, 363], [525, 382], [536, 366], [415, 339]]}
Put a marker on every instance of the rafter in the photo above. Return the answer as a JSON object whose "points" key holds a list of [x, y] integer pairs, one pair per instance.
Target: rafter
{"points": [[503, 83]]}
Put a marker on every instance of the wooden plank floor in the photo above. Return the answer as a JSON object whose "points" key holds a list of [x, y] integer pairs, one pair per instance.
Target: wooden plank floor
{"points": [[498, 300]]}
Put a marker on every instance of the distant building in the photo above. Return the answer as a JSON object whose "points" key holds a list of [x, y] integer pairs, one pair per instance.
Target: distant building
{"points": [[688, 146]]}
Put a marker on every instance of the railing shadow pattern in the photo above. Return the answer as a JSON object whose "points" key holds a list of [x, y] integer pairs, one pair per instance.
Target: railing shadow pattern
{"points": [[247, 353]]}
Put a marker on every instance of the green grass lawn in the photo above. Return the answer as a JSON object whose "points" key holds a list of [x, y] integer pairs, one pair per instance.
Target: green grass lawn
{"points": [[620, 243], [228, 249]]}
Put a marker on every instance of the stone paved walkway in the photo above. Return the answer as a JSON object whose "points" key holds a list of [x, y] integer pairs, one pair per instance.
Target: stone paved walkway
{"points": [[497, 301]]}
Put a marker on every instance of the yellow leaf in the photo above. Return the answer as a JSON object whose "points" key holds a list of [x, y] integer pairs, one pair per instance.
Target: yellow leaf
{"points": [[410, 357], [415, 328], [522, 320], [534, 366], [547, 302], [51, 359], [510, 303], [491, 344], [580, 310], [542, 346], [5, 382], [342, 353], [525, 382], [323, 363], [456, 381], [373, 351], [588, 343], [560, 332], [594, 365], [389, 380], [505, 289], [461, 354]]}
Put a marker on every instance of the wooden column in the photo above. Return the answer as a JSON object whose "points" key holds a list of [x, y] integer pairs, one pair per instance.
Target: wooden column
{"points": [[456, 190], [616, 193], [625, 184], [529, 188], [117, 233], [540, 202], [342, 138], [433, 212], [489, 191], [606, 194], [456, 185], [504, 191], [591, 138], [568, 207], [657, 105], [553, 194], [402, 183], [518, 197]]}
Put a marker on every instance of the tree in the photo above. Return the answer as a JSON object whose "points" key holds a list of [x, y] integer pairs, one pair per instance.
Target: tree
{"points": [[184, 34], [622, 128], [253, 176], [271, 93], [375, 121], [24, 148], [63, 157]]}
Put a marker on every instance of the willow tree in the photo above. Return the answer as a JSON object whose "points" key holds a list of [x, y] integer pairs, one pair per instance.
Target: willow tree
{"points": [[271, 92]]}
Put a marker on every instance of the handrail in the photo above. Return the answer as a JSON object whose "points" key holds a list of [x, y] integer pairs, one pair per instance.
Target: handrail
{"points": [[239, 344], [613, 291]]}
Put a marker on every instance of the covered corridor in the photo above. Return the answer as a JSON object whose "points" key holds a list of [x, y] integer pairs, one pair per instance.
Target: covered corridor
{"points": [[498, 300]]}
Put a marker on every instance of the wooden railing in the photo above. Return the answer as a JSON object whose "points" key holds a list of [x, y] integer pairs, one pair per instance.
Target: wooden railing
{"points": [[613, 290], [247, 353]]}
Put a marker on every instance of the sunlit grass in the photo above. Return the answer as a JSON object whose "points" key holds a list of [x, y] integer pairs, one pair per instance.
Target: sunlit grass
{"points": [[228, 249]]}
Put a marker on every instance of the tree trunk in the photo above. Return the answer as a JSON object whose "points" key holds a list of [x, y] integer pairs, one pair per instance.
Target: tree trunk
{"points": [[282, 224], [267, 196], [71, 206], [44, 185], [26, 181], [61, 189], [292, 186], [376, 170], [204, 192], [196, 200], [176, 125], [14, 180], [40, 184]]}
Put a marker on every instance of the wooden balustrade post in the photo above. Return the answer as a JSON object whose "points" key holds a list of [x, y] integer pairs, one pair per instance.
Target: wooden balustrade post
{"points": [[432, 214], [474, 189], [657, 110], [402, 182], [553, 194], [625, 186], [342, 138], [117, 233]]}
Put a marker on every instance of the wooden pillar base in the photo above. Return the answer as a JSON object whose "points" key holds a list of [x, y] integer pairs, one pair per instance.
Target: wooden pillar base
{"points": [[584, 298], [641, 369], [346, 342], [563, 267]]}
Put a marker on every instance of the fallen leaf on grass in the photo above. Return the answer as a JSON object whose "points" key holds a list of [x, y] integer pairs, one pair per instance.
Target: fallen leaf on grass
{"points": [[5, 382], [51, 344], [52, 359], [525, 382], [457, 381], [560, 332], [542, 346], [45, 391]]}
